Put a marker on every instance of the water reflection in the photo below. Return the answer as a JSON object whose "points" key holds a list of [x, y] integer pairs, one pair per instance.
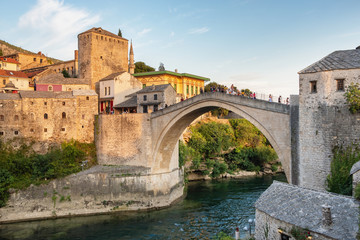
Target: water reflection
{"points": [[210, 207]]}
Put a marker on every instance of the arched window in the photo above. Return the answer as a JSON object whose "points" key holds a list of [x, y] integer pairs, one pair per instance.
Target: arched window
{"points": [[45, 116], [63, 115], [16, 118]]}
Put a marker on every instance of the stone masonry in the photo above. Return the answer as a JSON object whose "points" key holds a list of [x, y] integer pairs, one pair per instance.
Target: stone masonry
{"points": [[324, 118]]}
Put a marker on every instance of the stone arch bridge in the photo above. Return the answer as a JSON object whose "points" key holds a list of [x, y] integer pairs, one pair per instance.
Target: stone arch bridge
{"points": [[151, 140]]}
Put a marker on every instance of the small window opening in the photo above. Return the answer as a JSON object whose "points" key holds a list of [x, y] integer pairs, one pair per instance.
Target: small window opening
{"points": [[63, 115], [45, 129], [155, 97], [16, 132], [313, 88], [87, 98], [63, 129], [45, 116], [145, 97], [340, 84]]}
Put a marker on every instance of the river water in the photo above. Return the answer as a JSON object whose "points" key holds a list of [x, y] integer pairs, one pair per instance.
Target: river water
{"points": [[209, 208]]}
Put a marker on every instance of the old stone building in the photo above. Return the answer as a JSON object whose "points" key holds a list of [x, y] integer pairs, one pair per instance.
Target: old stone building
{"points": [[284, 209], [48, 116], [18, 78], [324, 118], [101, 53], [9, 64], [57, 82], [113, 89], [28, 60], [186, 85], [148, 99]]}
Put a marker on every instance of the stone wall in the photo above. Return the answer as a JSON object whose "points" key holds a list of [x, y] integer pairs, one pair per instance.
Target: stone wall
{"points": [[267, 228], [101, 55], [123, 139], [325, 122], [48, 119], [101, 189]]}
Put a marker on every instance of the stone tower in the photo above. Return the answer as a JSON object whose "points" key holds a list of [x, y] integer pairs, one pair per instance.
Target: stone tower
{"points": [[101, 53], [131, 60]]}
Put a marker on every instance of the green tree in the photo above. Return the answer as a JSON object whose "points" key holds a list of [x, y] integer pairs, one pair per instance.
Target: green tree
{"points": [[142, 67], [5, 180], [352, 95], [119, 33], [1, 52], [65, 74], [339, 179], [213, 85]]}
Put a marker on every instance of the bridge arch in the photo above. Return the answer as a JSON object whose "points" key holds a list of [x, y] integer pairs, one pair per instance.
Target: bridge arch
{"points": [[274, 123]]}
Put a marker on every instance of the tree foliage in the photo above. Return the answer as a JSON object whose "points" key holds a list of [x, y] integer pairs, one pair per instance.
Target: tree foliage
{"points": [[142, 67], [21, 167], [221, 148], [119, 33], [65, 74], [352, 95], [214, 85], [339, 179]]}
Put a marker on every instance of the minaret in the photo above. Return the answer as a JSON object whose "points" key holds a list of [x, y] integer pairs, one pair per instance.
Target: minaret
{"points": [[131, 60]]}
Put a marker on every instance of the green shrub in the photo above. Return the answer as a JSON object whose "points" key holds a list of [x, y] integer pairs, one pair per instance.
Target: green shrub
{"points": [[357, 192], [339, 179], [352, 96], [22, 167], [5, 180], [274, 168]]}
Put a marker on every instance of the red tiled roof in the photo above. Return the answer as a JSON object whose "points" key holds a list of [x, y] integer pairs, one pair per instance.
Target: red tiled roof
{"points": [[9, 73], [9, 60]]}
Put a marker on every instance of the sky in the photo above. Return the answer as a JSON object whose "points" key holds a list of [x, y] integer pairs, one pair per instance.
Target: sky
{"points": [[255, 44]]}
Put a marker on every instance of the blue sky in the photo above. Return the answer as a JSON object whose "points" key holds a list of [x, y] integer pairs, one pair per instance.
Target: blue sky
{"points": [[255, 44]]}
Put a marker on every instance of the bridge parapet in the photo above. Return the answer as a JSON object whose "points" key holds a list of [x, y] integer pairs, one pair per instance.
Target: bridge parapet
{"points": [[223, 97]]}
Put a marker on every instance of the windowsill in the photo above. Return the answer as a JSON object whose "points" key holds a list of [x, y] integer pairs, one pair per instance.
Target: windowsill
{"points": [[313, 92]]}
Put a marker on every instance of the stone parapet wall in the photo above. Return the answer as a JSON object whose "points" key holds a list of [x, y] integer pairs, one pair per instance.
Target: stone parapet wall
{"points": [[98, 190]]}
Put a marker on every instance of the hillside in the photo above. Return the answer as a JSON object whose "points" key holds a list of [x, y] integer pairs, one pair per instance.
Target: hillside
{"points": [[7, 49]]}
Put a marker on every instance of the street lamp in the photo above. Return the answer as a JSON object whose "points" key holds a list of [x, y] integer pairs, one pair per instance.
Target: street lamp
{"points": [[250, 221]]}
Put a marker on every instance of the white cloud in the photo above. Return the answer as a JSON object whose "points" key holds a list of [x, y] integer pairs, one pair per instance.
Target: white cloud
{"points": [[199, 30], [144, 31], [52, 27]]}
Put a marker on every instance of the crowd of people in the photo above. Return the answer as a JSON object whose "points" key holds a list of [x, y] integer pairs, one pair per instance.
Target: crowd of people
{"points": [[244, 93]]}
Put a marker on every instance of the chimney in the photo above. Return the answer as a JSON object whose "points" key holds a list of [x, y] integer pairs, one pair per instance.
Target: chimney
{"points": [[326, 212], [76, 52], [176, 70]]}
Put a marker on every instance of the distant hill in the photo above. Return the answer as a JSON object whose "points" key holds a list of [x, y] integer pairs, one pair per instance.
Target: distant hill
{"points": [[7, 49]]}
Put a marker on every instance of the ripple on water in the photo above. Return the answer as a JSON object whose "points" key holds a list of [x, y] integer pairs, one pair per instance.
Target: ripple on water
{"points": [[210, 207]]}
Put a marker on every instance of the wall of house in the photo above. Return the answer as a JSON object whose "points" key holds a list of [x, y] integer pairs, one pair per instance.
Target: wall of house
{"points": [[70, 66], [268, 227], [124, 85], [324, 122], [101, 55]]}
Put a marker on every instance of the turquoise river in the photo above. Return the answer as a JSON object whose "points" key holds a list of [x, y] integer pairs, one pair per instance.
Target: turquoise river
{"points": [[210, 207]]}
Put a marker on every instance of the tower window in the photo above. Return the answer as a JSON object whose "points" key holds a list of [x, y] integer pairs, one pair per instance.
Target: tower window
{"points": [[16, 132], [313, 88], [45, 129], [1, 133], [45, 103], [63, 115], [63, 103], [45, 116], [87, 98], [63, 129], [340, 84]]}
